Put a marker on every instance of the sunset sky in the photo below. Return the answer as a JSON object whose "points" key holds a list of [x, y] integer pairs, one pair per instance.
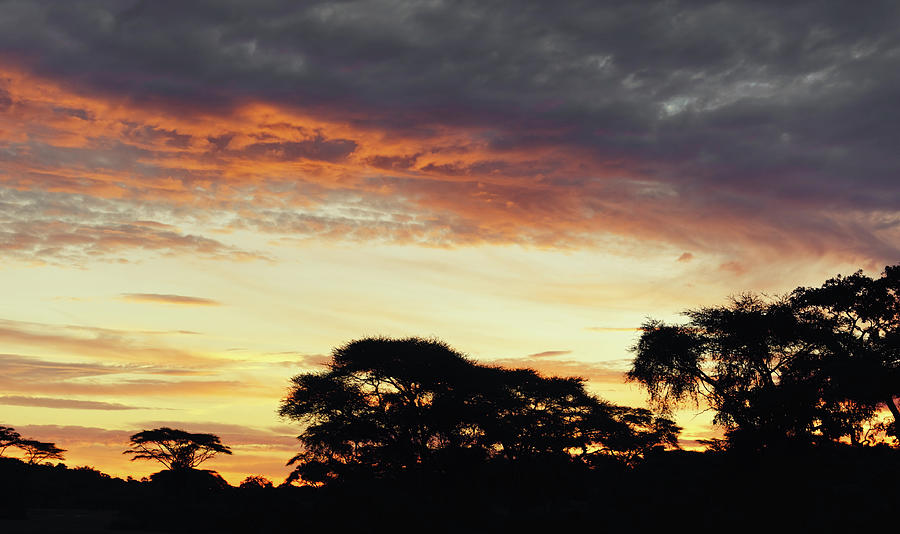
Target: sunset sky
{"points": [[199, 200]]}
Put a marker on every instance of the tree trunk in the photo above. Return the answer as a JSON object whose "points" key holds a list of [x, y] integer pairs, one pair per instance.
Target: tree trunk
{"points": [[892, 406]]}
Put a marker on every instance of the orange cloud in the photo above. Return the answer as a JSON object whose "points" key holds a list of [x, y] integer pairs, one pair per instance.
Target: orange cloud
{"points": [[317, 173]]}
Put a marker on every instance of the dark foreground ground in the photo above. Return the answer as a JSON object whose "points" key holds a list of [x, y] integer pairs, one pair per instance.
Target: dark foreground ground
{"points": [[833, 490]]}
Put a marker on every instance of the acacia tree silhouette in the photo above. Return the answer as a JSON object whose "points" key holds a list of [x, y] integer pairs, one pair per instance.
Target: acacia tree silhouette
{"points": [[811, 367], [860, 316], [386, 406], [38, 451], [8, 438], [175, 449]]}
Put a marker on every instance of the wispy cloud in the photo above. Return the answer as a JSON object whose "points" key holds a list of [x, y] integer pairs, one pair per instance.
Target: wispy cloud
{"points": [[50, 402], [127, 387], [161, 298], [613, 329], [74, 435], [95, 342], [28, 369], [302, 360], [45, 223], [605, 372], [32, 376], [549, 353]]}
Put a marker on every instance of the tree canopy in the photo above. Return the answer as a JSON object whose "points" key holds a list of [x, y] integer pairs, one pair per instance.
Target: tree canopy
{"points": [[388, 405], [175, 449], [35, 451], [862, 316], [813, 366]]}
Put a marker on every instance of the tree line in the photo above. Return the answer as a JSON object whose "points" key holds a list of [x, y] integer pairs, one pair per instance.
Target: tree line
{"points": [[815, 367], [402, 433]]}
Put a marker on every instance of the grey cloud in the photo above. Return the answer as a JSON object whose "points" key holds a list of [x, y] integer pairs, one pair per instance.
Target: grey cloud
{"points": [[54, 227], [393, 162], [317, 148], [781, 115], [5, 99], [149, 134]]}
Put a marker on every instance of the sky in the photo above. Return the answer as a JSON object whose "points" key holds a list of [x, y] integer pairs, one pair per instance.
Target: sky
{"points": [[199, 200]]}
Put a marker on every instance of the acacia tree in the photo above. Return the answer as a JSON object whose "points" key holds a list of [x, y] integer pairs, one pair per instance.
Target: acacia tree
{"points": [[860, 315], [813, 367], [176, 449], [8, 438], [38, 451], [735, 359], [389, 405]]}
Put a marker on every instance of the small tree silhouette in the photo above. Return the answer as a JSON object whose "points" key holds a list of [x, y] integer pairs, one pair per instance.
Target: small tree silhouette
{"points": [[175, 449], [38, 451], [255, 482], [8, 438]]}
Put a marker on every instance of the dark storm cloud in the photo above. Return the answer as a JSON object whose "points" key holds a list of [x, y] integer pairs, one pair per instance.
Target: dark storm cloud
{"points": [[781, 117]]}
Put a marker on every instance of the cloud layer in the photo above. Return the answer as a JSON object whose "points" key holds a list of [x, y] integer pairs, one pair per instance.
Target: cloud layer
{"points": [[747, 129]]}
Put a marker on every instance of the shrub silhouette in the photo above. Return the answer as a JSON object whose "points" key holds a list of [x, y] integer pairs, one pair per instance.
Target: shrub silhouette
{"points": [[256, 482]]}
